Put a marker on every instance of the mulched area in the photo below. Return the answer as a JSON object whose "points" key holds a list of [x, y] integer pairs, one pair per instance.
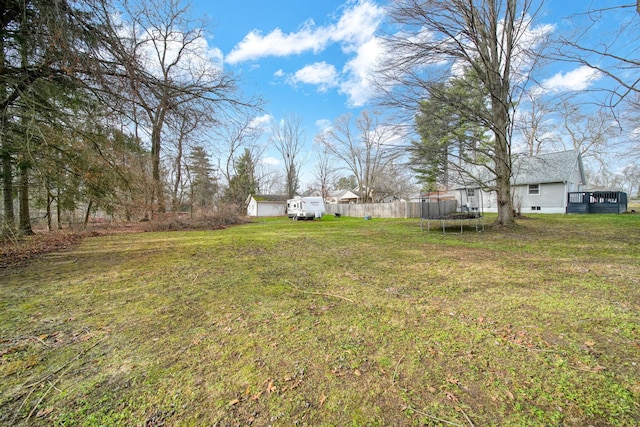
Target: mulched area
{"points": [[17, 251]]}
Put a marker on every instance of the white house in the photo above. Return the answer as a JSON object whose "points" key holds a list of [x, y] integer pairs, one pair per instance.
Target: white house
{"points": [[342, 196], [260, 205], [540, 184]]}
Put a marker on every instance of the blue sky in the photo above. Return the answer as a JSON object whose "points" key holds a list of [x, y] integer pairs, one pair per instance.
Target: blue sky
{"points": [[311, 58]]}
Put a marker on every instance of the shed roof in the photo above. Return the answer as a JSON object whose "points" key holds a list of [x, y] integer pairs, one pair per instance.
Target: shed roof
{"points": [[270, 198]]}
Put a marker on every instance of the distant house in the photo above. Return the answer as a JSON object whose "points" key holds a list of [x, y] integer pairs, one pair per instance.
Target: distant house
{"points": [[261, 205], [342, 196], [540, 184]]}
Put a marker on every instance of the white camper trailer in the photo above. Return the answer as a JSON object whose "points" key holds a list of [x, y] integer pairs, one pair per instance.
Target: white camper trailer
{"points": [[305, 208]]}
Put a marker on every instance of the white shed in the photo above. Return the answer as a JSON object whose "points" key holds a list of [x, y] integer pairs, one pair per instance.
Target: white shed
{"points": [[261, 205]]}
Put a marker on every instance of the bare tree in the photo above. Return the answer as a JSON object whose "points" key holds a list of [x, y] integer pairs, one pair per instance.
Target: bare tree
{"points": [[184, 130], [324, 171], [534, 122], [166, 68], [396, 182], [588, 133], [629, 179], [287, 136], [365, 150], [611, 52], [490, 37], [233, 136]]}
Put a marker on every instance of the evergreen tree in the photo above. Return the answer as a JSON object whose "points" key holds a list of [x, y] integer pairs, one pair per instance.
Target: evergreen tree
{"points": [[452, 137], [204, 185], [47, 56], [244, 182]]}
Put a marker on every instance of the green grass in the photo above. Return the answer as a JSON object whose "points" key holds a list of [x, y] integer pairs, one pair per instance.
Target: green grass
{"points": [[334, 322]]}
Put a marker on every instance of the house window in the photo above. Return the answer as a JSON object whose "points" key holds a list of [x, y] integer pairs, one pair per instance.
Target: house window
{"points": [[534, 189], [471, 192]]}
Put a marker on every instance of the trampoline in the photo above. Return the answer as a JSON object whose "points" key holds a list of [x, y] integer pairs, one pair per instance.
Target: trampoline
{"points": [[444, 209]]}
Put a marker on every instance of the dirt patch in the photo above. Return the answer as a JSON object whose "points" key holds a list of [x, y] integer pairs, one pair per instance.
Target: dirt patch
{"points": [[15, 252]]}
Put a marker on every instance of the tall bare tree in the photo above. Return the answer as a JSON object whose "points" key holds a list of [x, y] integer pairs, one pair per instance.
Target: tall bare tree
{"points": [[366, 148], [233, 136], [324, 171], [534, 123], [167, 68], [611, 51], [287, 136], [490, 37]]}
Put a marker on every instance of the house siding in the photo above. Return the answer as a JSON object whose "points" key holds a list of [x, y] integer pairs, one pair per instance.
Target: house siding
{"points": [[551, 198], [556, 175]]}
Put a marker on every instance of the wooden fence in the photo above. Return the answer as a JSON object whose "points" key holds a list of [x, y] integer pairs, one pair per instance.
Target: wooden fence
{"points": [[376, 210]]}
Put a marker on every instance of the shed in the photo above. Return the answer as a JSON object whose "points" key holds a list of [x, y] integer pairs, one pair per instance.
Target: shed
{"points": [[262, 205]]}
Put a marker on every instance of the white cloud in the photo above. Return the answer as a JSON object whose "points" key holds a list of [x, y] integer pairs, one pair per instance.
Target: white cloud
{"points": [[261, 122], [255, 45], [186, 57], [578, 79], [270, 161], [354, 31], [321, 74], [323, 124], [357, 84], [356, 26]]}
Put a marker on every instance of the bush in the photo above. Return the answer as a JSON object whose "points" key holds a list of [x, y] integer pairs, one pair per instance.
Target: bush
{"points": [[225, 216]]}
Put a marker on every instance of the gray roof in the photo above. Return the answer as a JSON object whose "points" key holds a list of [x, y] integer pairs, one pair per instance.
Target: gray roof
{"points": [[339, 194], [546, 168], [271, 198]]}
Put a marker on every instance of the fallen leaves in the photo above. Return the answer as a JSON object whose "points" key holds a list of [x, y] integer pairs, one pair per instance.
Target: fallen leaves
{"points": [[269, 386], [44, 412], [450, 396], [453, 380], [13, 253], [322, 399]]}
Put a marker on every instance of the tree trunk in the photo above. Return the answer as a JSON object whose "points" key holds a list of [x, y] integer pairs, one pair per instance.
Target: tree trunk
{"points": [[87, 214], [49, 202], [506, 216], [25, 216], [7, 189], [58, 209], [176, 186], [155, 172]]}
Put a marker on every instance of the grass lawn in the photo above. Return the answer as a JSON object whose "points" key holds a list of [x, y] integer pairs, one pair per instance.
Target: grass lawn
{"points": [[338, 322]]}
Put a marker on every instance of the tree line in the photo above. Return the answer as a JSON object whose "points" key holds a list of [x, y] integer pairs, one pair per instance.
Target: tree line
{"points": [[120, 106], [94, 94]]}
